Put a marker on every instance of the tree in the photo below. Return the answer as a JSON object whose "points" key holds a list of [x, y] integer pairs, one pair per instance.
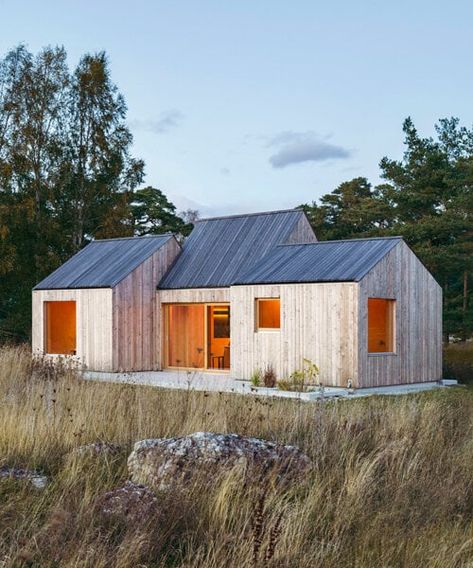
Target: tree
{"points": [[32, 96], [427, 197], [431, 194], [66, 172], [152, 213], [353, 209], [98, 172]]}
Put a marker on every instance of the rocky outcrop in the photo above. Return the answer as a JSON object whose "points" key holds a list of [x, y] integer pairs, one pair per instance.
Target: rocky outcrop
{"points": [[35, 478], [168, 462], [132, 503]]}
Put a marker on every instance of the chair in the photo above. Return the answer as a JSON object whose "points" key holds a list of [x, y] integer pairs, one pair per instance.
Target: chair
{"points": [[226, 357]]}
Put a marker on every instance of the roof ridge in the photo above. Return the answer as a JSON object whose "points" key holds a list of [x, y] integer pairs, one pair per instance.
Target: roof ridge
{"points": [[236, 216], [340, 241], [168, 234]]}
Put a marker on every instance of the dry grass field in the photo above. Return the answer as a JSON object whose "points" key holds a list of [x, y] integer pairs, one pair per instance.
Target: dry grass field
{"points": [[392, 484]]}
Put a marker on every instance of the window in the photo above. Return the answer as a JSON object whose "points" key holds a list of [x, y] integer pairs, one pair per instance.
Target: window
{"points": [[220, 315], [381, 325], [60, 328], [268, 313]]}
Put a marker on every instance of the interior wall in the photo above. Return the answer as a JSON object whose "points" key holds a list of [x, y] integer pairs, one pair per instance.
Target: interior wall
{"points": [[402, 277], [93, 324], [318, 322]]}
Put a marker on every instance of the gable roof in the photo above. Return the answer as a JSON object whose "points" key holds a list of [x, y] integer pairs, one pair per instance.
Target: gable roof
{"points": [[324, 261], [219, 250], [103, 263]]}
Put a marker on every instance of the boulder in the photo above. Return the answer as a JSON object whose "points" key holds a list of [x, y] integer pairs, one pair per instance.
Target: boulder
{"points": [[132, 503], [165, 463]]}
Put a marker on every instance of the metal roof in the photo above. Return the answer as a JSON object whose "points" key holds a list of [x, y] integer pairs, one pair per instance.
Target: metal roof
{"points": [[103, 263], [324, 261], [219, 250]]}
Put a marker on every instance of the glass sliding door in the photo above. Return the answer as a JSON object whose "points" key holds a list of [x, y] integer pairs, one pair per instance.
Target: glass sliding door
{"points": [[197, 336], [186, 335]]}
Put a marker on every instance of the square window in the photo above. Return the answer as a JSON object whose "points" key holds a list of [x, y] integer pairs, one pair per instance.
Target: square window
{"points": [[381, 325], [268, 313]]}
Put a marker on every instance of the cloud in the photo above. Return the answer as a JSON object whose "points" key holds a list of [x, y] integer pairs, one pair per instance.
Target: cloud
{"points": [[166, 121], [298, 147]]}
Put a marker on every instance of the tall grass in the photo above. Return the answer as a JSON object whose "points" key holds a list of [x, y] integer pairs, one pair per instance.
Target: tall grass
{"points": [[391, 485]]}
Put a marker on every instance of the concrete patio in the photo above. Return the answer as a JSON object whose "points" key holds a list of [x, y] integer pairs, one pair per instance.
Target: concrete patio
{"points": [[220, 382]]}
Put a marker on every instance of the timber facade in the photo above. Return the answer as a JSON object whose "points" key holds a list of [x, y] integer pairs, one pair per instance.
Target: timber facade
{"points": [[243, 293]]}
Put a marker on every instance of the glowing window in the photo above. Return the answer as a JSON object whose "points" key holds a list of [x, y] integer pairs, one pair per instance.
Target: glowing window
{"points": [[60, 327], [268, 313], [381, 325]]}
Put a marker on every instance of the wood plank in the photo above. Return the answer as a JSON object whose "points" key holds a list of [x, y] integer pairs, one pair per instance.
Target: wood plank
{"points": [[418, 343]]}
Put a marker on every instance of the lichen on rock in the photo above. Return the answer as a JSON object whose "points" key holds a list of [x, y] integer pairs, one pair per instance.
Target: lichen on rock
{"points": [[165, 463]]}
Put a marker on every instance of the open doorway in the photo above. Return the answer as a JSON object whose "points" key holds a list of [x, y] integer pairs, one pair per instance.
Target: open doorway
{"points": [[218, 337]]}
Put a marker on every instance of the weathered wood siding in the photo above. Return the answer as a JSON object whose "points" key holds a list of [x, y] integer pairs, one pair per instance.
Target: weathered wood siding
{"points": [[303, 233], [418, 320], [318, 322], [194, 296], [136, 319], [94, 324]]}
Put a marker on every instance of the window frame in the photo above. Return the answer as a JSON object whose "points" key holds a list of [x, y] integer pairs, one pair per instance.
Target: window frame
{"points": [[257, 315], [392, 303]]}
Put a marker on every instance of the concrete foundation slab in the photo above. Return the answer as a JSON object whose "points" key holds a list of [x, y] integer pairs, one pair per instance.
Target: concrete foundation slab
{"points": [[220, 382]]}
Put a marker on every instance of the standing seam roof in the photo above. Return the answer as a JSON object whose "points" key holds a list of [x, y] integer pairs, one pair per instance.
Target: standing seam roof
{"points": [[219, 250], [103, 263], [324, 261]]}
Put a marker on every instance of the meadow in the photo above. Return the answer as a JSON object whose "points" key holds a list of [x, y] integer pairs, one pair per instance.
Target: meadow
{"points": [[391, 483]]}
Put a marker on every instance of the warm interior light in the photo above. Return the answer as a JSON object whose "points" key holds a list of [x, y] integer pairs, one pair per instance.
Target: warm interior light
{"points": [[186, 335], [269, 313], [218, 330], [60, 328], [198, 336], [380, 325]]}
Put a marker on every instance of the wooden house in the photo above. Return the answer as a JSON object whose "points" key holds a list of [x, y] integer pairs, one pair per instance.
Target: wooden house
{"points": [[246, 292]]}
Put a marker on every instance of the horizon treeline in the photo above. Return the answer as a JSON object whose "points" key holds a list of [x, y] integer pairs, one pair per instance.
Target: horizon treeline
{"points": [[67, 176]]}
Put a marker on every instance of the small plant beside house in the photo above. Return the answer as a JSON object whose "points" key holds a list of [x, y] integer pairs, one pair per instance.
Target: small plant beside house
{"points": [[269, 377], [256, 378], [302, 379]]}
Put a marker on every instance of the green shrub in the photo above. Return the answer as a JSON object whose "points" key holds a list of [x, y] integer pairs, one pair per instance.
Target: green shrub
{"points": [[256, 378], [301, 379]]}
